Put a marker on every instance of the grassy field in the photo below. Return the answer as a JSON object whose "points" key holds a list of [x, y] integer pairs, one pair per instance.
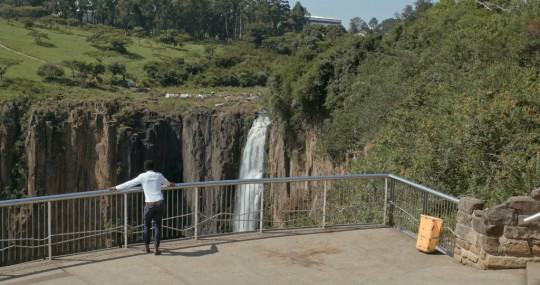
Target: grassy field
{"points": [[70, 43]]}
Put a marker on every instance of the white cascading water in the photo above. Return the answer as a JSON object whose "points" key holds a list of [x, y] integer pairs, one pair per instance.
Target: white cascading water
{"points": [[247, 207]]}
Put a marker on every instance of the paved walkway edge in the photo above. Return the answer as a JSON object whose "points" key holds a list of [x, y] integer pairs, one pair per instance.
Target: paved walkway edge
{"points": [[533, 273]]}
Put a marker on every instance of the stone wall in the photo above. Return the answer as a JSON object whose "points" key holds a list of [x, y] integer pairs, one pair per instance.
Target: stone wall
{"points": [[497, 237]]}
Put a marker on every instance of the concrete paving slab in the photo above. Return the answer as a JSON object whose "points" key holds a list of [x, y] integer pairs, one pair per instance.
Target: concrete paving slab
{"points": [[533, 273], [354, 255]]}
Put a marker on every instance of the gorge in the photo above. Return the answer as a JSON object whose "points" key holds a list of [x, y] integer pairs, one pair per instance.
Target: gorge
{"points": [[79, 147]]}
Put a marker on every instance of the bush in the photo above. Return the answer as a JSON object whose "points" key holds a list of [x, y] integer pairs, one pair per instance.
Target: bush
{"points": [[166, 73], [28, 24], [50, 71]]}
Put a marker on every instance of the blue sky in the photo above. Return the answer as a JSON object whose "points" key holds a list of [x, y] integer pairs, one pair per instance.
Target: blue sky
{"points": [[345, 10]]}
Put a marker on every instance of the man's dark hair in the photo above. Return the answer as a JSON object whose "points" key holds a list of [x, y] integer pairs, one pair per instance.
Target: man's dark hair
{"points": [[148, 165]]}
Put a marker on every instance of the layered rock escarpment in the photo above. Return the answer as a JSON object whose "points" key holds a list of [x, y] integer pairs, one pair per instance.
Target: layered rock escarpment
{"points": [[497, 237]]}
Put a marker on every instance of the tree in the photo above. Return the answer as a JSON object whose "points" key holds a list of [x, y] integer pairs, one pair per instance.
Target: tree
{"points": [[30, 12], [139, 32], [7, 12], [71, 65], [422, 5], [356, 25], [173, 38], [100, 55], [117, 68], [38, 36], [50, 71], [373, 23], [110, 41], [408, 14], [5, 64], [298, 17], [386, 25], [256, 33]]}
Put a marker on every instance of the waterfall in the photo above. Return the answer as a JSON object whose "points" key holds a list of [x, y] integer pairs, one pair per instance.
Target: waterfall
{"points": [[247, 207]]}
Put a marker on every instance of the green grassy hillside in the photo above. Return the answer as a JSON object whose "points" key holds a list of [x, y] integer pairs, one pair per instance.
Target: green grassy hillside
{"points": [[70, 43]]}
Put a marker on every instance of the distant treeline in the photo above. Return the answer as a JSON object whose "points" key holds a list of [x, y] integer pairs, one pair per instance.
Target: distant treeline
{"points": [[222, 19]]}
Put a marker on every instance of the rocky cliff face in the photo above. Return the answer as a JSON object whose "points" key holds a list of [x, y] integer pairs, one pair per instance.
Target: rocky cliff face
{"points": [[290, 157], [93, 146], [9, 133], [97, 145]]}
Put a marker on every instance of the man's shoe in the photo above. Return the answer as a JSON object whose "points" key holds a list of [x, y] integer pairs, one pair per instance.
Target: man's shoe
{"points": [[145, 249], [157, 252]]}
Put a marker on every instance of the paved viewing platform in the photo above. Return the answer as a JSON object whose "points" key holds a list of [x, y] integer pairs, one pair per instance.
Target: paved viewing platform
{"points": [[352, 255]]}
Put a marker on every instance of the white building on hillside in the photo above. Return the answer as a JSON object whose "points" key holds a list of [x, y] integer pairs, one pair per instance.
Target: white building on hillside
{"points": [[323, 20]]}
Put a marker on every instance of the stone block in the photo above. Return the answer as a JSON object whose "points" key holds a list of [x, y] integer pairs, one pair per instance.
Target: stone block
{"points": [[499, 215], [535, 249], [482, 254], [468, 204], [457, 257], [470, 256], [535, 194], [479, 225], [467, 234], [481, 264], [489, 244], [479, 213], [523, 233], [531, 224], [525, 205], [475, 249], [463, 218], [505, 262], [457, 250], [463, 243], [514, 246]]}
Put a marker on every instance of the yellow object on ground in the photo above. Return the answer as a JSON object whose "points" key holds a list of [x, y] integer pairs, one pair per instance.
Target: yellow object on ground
{"points": [[428, 234]]}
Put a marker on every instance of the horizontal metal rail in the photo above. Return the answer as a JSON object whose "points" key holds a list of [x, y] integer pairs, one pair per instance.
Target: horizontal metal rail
{"points": [[44, 227], [532, 218], [98, 193]]}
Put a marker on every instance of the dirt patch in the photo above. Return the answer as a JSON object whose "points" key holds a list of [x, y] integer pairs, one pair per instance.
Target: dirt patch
{"points": [[304, 258]]}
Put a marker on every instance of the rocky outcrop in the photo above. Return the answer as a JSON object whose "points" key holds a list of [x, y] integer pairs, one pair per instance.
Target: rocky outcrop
{"points": [[498, 238], [9, 133]]}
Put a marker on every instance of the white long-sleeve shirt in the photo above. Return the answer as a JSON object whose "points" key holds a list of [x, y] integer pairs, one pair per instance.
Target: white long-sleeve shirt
{"points": [[151, 183]]}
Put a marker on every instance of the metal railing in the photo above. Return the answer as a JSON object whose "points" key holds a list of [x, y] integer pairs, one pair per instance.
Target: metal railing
{"points": [[44, 227]]}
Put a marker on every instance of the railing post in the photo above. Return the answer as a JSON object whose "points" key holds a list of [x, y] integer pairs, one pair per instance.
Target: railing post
{"points": [[425, 203], [324, 207], [261, 214], [196, 224], [392, 201], [49, 227], [125, 221], [385, 200]]}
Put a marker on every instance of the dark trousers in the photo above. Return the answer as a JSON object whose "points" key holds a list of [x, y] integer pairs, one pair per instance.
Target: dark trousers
{"points": [[153, 211]]}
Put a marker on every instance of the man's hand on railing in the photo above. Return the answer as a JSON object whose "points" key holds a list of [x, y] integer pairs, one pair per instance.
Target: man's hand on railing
{"points": [[172, 184], [112, 189]]}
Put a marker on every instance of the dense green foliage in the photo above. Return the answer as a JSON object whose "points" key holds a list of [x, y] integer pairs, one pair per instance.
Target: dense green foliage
{"points": [[449, 97]]}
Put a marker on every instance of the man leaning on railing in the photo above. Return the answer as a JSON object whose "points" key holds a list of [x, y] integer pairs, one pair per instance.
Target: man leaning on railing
{"points": [[154, 205]]}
